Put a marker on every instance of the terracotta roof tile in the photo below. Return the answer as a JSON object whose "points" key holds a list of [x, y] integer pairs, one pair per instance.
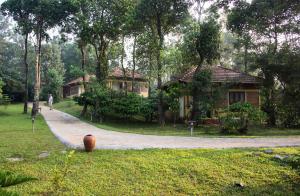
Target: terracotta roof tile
{"points": [[222, 74], [115, 73], [118, 73]]}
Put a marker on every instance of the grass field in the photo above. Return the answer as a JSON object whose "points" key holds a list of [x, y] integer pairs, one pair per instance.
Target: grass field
{"points": [[140, 172], [69, 106]]}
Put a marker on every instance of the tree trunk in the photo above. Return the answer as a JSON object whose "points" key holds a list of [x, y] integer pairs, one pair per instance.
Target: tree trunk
{"points": [[101, 68], [98, 64], [133, 63], [174, 119], [269, 103], [37, 84], [150, 74], [195, 93], [270, 108], [122, 65], [159, 70], [246, 57], [26, 74], [83, 63]]}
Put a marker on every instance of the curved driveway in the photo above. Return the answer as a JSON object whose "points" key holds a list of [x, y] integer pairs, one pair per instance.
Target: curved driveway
{"points": [[70, 131]]}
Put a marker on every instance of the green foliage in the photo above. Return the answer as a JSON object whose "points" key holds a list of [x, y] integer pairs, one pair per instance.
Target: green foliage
{"points": [[8, 179], [148, 108], [160, 18], [20, 12], [293, 161], [12, 69], [55, 82], [53, 71], [287, 69], [168, 13], [127, 105], [202, 99], [104, 102], [60, 174], [270, 27], [201, 42], [1, 85], [172, 97], [99, 98], [239, 116], [70, 56], [5, 100], [173, 93], [105, 28], [207, 41], [6, 193]]}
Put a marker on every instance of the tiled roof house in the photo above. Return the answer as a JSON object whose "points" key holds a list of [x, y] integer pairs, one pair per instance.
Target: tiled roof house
{"points": [[115, 81], [240, 87]]}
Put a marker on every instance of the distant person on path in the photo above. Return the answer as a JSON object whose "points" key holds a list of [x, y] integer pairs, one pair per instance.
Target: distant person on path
{"points": [[50, 101]]}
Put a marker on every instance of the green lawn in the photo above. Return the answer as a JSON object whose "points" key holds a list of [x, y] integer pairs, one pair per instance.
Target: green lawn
{"points": [[69, 106], [141, 172]]}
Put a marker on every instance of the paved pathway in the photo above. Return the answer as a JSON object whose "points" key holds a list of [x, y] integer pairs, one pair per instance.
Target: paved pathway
{"points": [[70, 131]]}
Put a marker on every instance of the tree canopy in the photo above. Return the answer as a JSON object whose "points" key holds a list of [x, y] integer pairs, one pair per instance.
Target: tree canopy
{"points": [[160, 39]]}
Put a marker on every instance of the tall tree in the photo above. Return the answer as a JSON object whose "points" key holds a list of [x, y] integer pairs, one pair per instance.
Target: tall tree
{"points": [[21, 14], [71, 58], [206, 41], [161, 17], [3, 34], [79, 25], [236, 23], [270, 23], [106, 19], [45, 15], [129, 31], [52, 71], [145, 56]]}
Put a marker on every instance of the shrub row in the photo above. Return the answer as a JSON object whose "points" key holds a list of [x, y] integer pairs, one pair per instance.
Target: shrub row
{"points": [[104, 102]]}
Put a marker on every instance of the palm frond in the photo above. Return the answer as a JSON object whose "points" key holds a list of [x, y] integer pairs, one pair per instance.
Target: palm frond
{"points": [[9, 179], [6, 193]]}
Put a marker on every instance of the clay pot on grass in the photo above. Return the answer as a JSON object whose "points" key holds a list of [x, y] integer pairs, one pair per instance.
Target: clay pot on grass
{"points": [[89, 142]]}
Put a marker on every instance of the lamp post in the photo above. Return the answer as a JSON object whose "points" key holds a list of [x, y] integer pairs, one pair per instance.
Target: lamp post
{"points": [[33, 120]]}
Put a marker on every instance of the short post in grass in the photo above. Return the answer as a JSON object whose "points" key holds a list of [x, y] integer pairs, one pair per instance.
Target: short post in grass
{"points": [[191, 126], [33, 120]]}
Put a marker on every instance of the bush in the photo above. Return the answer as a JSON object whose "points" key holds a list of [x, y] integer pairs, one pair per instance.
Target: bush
{"points": [[127, 105], [98, 98], [103, 102], [238, 116], [172, 95], [289, 116], [148, 108]]}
